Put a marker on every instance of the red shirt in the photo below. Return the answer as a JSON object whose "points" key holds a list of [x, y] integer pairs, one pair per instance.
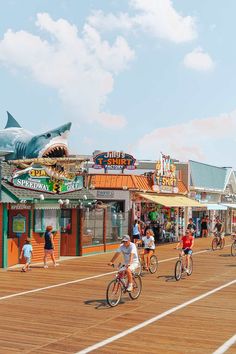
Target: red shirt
{"points": [[187, 241]]}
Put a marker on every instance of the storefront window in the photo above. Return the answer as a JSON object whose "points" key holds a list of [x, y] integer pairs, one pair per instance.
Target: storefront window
{"points": [[65, 220], [44, 218]]}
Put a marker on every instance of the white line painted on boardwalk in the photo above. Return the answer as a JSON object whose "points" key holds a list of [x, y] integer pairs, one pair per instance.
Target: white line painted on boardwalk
{"points": [[152, 320], [76, 281], [226, 345]]}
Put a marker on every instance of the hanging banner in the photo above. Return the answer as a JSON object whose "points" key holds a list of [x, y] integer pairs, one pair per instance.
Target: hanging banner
{"points": [[114, 160], [38, 180]]}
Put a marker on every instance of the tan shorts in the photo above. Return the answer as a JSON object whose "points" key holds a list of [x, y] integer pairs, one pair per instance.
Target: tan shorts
{"points": [[133, 266], [46, 252]]}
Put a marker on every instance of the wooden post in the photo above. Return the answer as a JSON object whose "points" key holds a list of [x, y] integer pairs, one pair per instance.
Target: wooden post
{"points": [[105, 229], [80, 231]]}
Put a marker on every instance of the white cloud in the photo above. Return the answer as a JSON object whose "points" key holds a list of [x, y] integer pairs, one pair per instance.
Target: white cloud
{"points": [[160, 19], [156, 17], [189, 140], [199, 60], [81, 67]]}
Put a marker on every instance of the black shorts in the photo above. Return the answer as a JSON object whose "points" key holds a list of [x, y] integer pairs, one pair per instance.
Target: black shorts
{"points": [[149, 249], [137, 237]]}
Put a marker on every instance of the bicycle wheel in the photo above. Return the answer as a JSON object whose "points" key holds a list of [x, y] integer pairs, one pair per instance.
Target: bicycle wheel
{"points": [[137, 287], [222, 243], [190, 266], [153, 264], [178, 270], [233, 249], [113, 293], [214, 244], [138, 270]]}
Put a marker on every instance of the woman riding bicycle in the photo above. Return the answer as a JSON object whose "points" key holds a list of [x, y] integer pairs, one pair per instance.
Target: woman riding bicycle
{"points": [[149, 247], [187, 242]]}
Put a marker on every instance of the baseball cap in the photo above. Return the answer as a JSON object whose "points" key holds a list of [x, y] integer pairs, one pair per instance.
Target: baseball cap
{"points": [[126, 238]]}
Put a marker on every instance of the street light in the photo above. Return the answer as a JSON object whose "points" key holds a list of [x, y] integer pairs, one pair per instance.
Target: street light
{"points": [[3, 153]]}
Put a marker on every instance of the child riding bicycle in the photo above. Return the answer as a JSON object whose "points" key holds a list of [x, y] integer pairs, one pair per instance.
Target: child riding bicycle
{"points": [[149, 248], [187, 242]]}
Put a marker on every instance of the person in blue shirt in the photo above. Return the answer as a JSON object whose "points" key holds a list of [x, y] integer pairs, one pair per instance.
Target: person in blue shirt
{"points": [[27, 252]]}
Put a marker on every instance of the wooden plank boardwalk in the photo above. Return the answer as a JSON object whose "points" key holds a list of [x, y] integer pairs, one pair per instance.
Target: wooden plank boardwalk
{"points": [[66, 310]]}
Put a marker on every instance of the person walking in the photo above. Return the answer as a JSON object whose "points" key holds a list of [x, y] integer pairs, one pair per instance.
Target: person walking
{"points": [[136, 231], [27, 252], [49, 247]]}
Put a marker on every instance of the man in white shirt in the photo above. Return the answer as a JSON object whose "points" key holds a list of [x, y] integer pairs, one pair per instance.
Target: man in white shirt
{"points": [[130, 254]]}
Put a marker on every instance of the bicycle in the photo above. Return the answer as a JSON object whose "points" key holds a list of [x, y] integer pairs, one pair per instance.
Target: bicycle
{"points": [[180, 269], [218, 241], [119, 285], [153, 265], [233, 246]]}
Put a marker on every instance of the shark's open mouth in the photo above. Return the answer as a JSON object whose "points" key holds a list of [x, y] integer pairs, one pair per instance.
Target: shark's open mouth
{"points": [[57, 150], [56, 170]]}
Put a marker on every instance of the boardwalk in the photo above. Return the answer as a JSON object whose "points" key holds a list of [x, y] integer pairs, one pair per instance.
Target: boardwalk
{"points": [[63, 309]]}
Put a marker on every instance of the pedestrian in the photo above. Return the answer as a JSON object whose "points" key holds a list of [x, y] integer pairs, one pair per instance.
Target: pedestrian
{"points": [[204, 227], [136, 231], [49, 246], [27, 252]]}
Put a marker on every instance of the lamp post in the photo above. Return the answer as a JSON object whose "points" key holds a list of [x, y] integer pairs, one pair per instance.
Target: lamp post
{"points": [[3, 153]]}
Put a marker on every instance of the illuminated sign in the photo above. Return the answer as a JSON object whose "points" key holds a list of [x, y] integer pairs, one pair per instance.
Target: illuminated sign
{"points": [[164, 177], [114, 160]]}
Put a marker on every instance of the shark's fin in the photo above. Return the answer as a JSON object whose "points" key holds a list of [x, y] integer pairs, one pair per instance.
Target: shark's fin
{"points": [[11, 122]]}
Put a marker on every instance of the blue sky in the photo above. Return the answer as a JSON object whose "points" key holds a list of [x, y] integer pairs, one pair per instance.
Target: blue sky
{"points": [[142, 76]]}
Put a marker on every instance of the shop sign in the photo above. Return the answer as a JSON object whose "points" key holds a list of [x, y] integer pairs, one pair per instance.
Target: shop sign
{"points": [[38, 180], [105, 194], [164, 177], [114, 160], [20, 206]]}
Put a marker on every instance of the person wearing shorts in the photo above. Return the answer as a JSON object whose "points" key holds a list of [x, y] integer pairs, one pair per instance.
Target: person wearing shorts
{"points": [[149, 247], [136, 231], [49, 247], [187, 242], [27, 252], [130, 254]]}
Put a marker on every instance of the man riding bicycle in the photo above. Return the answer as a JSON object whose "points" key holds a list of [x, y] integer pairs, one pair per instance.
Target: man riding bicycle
{"points": [[218, 229], [130, 254], [187, 242]]}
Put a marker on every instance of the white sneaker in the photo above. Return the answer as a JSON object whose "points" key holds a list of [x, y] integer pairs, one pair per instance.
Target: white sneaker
{"points": [[130, 287], [56, 264], [45, 266], [187, 271]]}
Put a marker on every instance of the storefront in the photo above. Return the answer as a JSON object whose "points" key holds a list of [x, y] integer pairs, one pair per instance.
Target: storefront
{"points": [[30, 204], [165, 209]]}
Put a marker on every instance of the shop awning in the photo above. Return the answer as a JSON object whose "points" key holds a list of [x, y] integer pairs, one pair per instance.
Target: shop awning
{"points": [[216, 207], [228, 205], [172, 200]]}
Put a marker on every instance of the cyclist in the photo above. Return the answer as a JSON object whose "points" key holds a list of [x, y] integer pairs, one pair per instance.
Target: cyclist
{"points": [[130, 254], [187, 242], [192, 227], [149, 247], [218, 229]]}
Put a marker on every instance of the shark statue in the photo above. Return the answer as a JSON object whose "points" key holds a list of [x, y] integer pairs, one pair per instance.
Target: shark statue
{"points": [[21, 144]]}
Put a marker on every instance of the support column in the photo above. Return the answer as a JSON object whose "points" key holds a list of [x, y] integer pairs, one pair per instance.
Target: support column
{"points": [[4, 235], [105, 229], [80, 232]]}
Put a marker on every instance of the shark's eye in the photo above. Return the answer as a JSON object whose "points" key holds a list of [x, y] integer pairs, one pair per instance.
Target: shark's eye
{"points": [[48, 135]]}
